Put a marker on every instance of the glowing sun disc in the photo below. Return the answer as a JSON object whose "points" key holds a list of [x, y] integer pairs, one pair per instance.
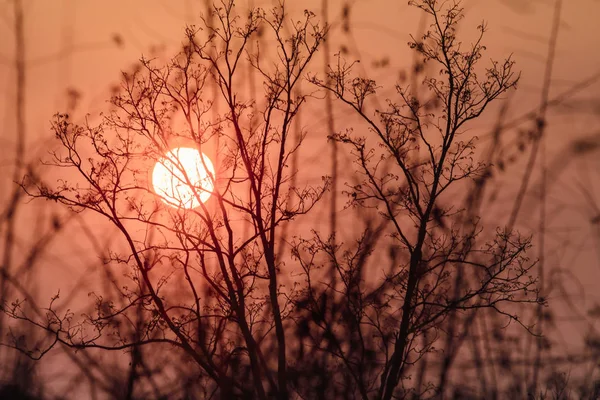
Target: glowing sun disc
{"points": [[181, 178]]}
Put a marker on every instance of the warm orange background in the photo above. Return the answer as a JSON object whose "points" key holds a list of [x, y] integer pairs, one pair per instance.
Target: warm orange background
{"points": [[81, 46]]}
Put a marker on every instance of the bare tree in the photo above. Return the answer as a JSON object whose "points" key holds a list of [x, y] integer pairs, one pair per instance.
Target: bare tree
{"points": [[213, 281], [233, 308], [443, 262]]}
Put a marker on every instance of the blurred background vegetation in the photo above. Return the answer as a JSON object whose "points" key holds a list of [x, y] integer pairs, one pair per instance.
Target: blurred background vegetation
{"points": [[543, 140]]}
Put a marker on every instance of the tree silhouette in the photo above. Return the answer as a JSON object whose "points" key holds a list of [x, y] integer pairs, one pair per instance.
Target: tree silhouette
{"points": [[414, 154], [258, 315]]}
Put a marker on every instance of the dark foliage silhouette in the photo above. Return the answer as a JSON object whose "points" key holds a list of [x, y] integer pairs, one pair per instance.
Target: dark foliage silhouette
{"points": [[254, 313]]}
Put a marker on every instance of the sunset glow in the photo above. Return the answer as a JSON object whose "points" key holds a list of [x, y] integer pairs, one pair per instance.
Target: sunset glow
{"points": [[181, 178], [320, 199]]}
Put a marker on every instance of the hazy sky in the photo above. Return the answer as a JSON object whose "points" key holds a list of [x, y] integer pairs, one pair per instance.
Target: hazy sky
{"points": [[82, 45]]}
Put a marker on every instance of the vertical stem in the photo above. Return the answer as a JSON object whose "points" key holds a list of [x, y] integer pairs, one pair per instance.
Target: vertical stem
{"points": [[330, 131], [11, 209], [542, 222], [20, 105], [390, 379], [541, 115]]}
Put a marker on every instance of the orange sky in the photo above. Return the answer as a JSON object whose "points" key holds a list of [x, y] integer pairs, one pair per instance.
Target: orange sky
{"points": [[84, 44]]}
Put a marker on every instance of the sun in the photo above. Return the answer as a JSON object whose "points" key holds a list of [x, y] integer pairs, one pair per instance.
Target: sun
{"points": [[183, 178]]}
